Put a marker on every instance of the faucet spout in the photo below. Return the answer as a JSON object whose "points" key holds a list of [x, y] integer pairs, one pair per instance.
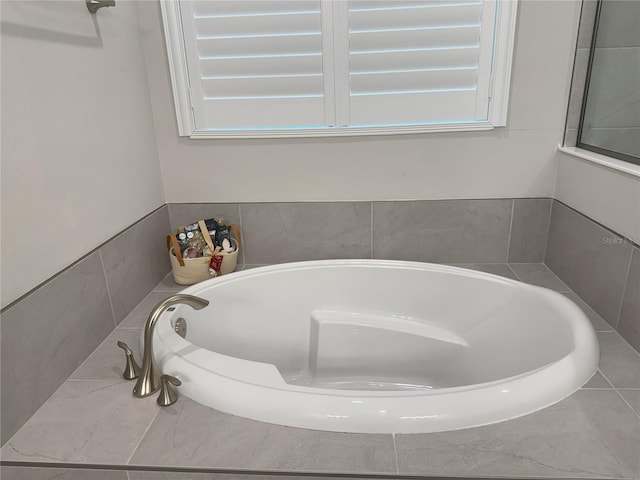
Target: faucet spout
{"points": [[149, 379]]}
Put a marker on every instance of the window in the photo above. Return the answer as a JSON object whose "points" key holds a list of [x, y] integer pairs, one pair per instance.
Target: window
{"points": [[610, 120], [320, 67]]}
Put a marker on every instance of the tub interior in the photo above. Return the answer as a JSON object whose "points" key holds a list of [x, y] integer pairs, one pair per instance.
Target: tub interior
{"points": [[381, 328]]}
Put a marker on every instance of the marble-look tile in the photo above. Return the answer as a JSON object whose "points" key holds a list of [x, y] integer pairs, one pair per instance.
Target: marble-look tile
{"points": [[46, 336], [138, 317], [52, 473], [529, 229], [629, 323], [442, 231], [167, 284], [135, 261], [108, 360], [249, 266], [599, 325], [632, 397], [597, 381], [501, 269], [619, 362], [84, 422], [188, 434], [538, 274], [288, 232], [182, 214], [589, 259], [591, 434]]}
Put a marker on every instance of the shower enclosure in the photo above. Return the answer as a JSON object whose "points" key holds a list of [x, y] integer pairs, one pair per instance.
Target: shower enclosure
{"points": [[610, 117]]}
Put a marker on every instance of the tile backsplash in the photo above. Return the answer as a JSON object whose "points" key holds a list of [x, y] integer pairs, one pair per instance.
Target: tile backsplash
{"points": [[442, 231], [48, 333], [599, 265]]}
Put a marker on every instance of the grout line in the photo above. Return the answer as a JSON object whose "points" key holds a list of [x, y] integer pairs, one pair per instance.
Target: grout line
{"points": [[552, 273], [606, 378], [565, 284], [513, 271], [103, 342], [623, 340], [624, 290], [627, 403], [144, 434], [513, 207], [371, 232], [546, 242], [395, 453], [106, 281], [516, 273]]}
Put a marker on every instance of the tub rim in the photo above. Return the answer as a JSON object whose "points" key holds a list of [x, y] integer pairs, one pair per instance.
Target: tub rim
{"points": [[584, 340]]}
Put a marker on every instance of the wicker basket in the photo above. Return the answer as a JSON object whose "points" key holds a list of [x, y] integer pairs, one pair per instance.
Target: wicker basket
{"points": [[187, 271]]}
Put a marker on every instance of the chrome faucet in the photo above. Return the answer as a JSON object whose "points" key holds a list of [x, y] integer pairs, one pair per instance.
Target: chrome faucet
{"points": [[94, 5], [149, 378]]}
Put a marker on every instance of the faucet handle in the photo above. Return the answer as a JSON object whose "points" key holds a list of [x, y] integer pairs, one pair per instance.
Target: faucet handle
{"points": [[132, 369], [168, 395]]}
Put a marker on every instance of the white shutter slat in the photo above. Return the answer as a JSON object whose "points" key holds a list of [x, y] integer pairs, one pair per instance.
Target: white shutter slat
{"points": [[265, 113], [256, 46], [261, 24], [414, 15], [413, 81], [361, 5], [445, 58], [414, 39], [230, 8], [304, 64], [262, 86]]}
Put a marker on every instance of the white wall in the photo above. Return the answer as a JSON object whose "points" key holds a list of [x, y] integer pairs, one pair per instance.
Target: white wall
{"points": [[79, 159], [518, 161]]}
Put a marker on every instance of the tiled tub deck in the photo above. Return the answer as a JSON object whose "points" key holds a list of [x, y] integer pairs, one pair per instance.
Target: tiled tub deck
{"points": [[93, 420]]}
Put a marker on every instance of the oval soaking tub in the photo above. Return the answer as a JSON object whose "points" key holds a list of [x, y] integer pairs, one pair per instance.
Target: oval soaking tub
{"points": [[376, 346]]}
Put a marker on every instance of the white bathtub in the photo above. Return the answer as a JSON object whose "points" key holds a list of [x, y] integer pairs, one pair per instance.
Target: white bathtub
{"points": [[376, 346]]}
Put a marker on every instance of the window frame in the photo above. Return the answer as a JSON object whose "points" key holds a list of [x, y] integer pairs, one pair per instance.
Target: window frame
{"points": [[504, 41], [585, 94]]}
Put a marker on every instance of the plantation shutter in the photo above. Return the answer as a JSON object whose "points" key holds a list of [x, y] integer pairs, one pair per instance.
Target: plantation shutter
{"points": [[254, 64], [419, 61], [300, 67]]}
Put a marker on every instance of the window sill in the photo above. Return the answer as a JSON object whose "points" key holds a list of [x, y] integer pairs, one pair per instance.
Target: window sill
{"points": [[612, 163], [340, 132]]}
